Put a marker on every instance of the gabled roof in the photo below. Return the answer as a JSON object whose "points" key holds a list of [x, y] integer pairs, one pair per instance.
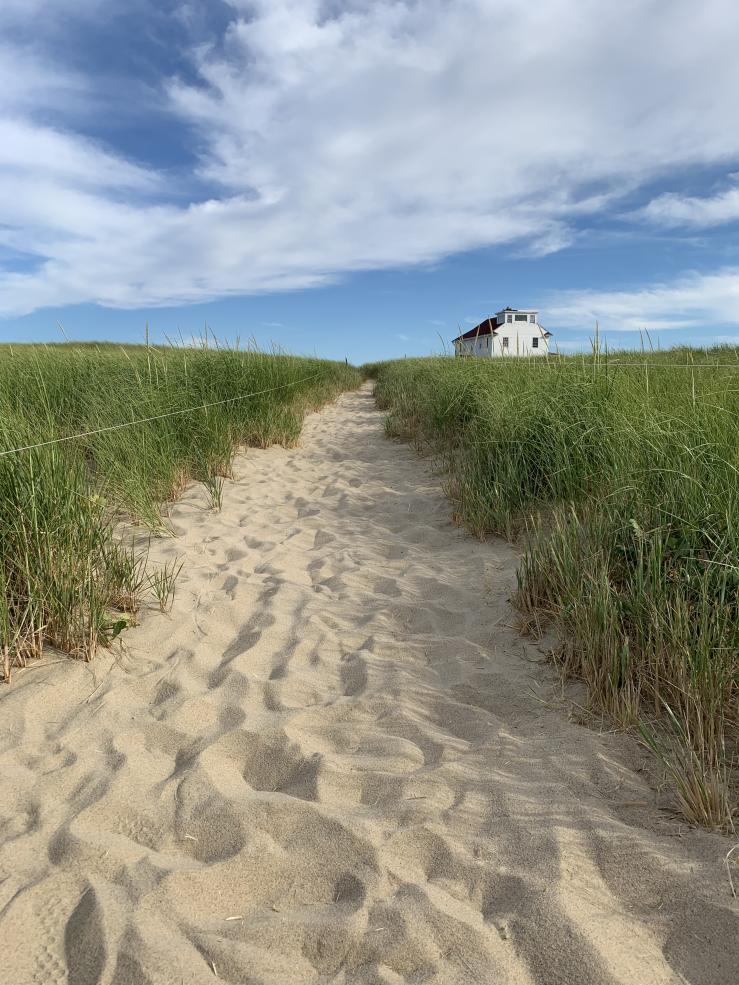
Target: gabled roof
{"points": [[487, 327], [490, 327]]}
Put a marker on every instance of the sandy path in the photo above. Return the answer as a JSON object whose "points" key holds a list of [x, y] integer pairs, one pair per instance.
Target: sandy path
{"points": [[337, 762]]}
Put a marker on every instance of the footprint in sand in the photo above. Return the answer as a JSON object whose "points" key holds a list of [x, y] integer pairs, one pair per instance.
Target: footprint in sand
{"points": [[333, 764]]}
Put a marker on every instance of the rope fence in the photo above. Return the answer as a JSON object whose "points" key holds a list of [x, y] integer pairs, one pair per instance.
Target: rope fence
{"points": [[155, 417]]}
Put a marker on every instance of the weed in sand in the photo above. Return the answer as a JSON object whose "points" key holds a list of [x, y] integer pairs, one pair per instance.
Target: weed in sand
{"points": [[163, 582], [214, 488]]}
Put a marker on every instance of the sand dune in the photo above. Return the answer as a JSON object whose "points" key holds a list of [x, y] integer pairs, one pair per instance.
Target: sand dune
{"points": [[337, 761]]}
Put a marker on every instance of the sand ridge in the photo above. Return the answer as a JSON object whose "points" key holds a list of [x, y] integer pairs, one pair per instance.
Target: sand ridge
{"points": [[337, 761]]}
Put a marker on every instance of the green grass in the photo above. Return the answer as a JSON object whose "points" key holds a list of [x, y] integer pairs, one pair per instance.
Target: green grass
{"points": [[65, 576], [621, 474]]}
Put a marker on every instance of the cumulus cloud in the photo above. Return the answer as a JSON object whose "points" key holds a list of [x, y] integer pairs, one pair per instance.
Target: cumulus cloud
{"points": [[337, 137], [702, 300]]}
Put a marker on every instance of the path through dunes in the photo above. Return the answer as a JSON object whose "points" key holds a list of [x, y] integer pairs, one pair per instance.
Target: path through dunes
{"points": [[337, 762]]}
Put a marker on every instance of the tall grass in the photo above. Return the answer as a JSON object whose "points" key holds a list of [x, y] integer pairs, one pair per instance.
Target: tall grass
{"points": [[65, 577], [622, 475]]}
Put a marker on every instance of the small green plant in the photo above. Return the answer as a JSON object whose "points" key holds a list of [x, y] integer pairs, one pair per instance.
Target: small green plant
{"points": [[702, 793], [126, 570], [214, 487], [112, 629], [163, 582]]}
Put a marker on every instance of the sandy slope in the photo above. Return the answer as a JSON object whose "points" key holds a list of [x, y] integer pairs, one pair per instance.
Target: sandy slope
{"points": [[337, 762]]}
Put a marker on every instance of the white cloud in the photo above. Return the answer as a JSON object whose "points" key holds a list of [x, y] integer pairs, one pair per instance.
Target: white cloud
{"points": [[672, 210], [340, 137], [704, 301], [29, 83], [74, 162]]}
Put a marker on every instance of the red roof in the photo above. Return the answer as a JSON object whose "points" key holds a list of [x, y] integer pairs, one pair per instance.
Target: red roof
{"points": [[487, 327]]}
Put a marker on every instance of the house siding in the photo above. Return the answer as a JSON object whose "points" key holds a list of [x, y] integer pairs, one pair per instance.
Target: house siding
{"points": [[520, 336]]}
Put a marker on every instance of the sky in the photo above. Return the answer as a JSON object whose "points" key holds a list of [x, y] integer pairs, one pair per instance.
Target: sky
{"points": [[364, 178]]}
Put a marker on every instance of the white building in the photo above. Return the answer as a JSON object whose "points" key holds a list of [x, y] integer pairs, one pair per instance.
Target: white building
{"points": [[512, 332]]}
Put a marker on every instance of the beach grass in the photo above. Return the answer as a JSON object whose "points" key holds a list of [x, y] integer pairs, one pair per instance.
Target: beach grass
{"points": [[619, 473], [67, 576]]}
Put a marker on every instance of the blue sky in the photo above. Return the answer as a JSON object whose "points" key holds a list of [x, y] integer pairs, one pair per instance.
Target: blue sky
{"points": [[359, 178]]}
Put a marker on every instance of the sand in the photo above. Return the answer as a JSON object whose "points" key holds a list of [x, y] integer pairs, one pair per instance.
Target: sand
{"points": [[338, 761]]}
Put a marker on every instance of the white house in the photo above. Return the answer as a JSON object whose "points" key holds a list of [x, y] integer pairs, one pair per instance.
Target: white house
{"points": [[512, 332]]}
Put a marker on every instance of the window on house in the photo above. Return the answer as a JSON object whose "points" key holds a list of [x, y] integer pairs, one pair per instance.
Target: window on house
{"points": [[509, 318], [535, 343], [532, 318], [504, 341], [522, 317]]}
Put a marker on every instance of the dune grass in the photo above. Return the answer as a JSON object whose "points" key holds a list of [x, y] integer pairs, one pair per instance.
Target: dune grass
{"points": [[621, 474], [66, 576]]}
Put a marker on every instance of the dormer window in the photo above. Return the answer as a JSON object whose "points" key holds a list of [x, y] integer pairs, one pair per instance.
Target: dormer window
{"points": [[522, 317], [532, 318], [509, 318]]}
